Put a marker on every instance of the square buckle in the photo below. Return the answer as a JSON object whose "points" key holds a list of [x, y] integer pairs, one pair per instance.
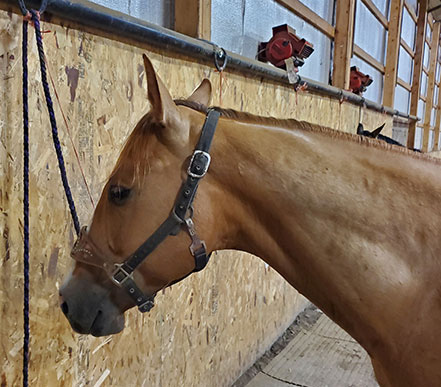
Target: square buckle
{"points": [[146, 306], [119, 276], [197, 170]]}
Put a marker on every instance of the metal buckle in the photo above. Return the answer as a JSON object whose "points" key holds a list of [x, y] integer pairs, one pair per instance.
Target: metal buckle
{"points": [[204, 169], [119, 276], [146, 306], [195, 248], [197, 243]]}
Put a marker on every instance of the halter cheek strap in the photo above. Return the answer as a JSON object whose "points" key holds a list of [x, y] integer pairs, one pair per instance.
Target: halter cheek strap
{"points": [[122, 273]]}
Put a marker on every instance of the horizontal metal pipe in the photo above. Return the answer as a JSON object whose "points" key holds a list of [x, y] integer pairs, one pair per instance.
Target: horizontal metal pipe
{"points": [[123, 26]]}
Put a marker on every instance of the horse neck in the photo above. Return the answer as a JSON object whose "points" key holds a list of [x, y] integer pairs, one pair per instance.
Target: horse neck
{"points": [[307, 205]]}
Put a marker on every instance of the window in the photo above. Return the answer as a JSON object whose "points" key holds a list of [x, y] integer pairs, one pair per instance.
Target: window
{"points": [[370, 39], [405, 62], [250, 22], [159, 12]]}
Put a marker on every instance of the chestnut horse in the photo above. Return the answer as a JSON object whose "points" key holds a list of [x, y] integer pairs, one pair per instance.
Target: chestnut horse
{"points": [[351, 222]]}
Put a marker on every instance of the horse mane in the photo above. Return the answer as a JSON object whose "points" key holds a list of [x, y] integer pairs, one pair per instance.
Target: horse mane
{"points": [[137, 145], [292, 123]]}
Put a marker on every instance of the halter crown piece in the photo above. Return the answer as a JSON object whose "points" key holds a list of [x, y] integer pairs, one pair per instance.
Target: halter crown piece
{"points": [[121, 274]]}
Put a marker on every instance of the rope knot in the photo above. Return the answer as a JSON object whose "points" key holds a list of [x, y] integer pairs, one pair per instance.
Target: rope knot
{"points": [[28, 17], [32, 17]]}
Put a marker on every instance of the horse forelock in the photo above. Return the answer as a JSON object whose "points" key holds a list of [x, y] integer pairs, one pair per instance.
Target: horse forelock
{"points": [[136, 151]]}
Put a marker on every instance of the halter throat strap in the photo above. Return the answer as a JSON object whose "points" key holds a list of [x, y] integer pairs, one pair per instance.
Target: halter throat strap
{"points": [[122, 274]]}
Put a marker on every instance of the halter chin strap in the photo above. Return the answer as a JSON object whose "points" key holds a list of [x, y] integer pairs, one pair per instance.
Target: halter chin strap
{"points": [[121, 274]]}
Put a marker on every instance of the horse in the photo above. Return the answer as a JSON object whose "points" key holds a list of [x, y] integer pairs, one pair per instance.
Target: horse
{"points": [[350, 222], [376, 133]]}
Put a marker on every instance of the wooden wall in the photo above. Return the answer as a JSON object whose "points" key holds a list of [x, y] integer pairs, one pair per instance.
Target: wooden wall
{"points": [[203, 332]]}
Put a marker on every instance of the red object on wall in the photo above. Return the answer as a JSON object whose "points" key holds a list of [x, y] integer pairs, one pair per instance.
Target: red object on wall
{"points": [[283, 45], [359, 81]]}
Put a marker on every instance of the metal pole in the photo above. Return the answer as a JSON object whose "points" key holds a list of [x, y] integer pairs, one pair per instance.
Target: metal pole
{"points": [[122, 26]]}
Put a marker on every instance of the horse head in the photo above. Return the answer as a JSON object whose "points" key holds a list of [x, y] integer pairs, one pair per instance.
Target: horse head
{"points": [[136, 199], [374, 134]]}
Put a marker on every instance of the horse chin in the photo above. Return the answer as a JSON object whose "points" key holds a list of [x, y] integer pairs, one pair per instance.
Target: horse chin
{"points": [[89, 308], [104, 326]]}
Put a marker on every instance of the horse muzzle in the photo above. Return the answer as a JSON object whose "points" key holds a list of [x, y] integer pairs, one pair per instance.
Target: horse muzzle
{"points": [[88, 307]]}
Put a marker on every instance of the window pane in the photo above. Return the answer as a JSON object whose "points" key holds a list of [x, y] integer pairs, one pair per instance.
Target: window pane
{"points": [[245, 27], [418, 138], [426, 55], [158, 12], [413, 4], [423, 86], [369, 33], [431, 140], [227, 31], [374, 92], [433, 117], [428, 32], [323, 8], [402, 99], [408, 29], [421, 109], [405, 66], [383, 6]]}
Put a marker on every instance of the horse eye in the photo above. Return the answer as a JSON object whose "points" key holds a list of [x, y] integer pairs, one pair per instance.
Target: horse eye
{"points": [[119, 194]]}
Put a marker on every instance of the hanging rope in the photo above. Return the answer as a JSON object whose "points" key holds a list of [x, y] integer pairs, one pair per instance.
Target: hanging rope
{"points": [[34, 17], [56, 141], [25, 206]]}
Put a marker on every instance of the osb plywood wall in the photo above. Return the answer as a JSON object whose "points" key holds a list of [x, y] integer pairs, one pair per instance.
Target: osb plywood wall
{"points": [[203, 332]]}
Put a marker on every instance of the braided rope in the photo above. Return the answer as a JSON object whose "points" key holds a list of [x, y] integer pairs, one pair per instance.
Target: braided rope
{"points": [[25, 206], [57, 145], [34, 17]]}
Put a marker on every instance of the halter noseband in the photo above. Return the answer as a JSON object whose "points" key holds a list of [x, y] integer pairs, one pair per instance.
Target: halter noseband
{"points": [[121, 274]]}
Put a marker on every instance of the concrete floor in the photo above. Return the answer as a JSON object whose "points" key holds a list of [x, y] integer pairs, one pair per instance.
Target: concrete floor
{"points": [[322, 355]]}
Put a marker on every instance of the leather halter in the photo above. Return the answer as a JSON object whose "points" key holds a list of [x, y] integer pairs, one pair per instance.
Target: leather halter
{"points": [[85, 251]]}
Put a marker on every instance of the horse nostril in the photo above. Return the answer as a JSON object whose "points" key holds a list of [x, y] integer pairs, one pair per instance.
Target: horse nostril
{"points": [[65, 308]]}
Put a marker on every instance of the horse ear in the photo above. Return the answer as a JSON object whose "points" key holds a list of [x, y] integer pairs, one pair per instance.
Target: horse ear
{"points": [[202, 93], [360, 128], [158, 95], [377, 131], [164, 109]]}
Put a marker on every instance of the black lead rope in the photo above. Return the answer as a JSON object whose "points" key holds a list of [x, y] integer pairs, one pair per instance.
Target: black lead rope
{"points": [[25, 207], [34, 17], [198, 167]]}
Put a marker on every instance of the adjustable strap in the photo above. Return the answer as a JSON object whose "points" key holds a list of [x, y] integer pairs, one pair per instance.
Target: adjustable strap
{"points": [[197, 248], [163, 231], [143, 302], [207, 133], [198, 167]]}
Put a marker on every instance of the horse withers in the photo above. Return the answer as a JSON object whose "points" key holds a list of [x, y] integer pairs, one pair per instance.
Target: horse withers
{"points": [[352, 223]]}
